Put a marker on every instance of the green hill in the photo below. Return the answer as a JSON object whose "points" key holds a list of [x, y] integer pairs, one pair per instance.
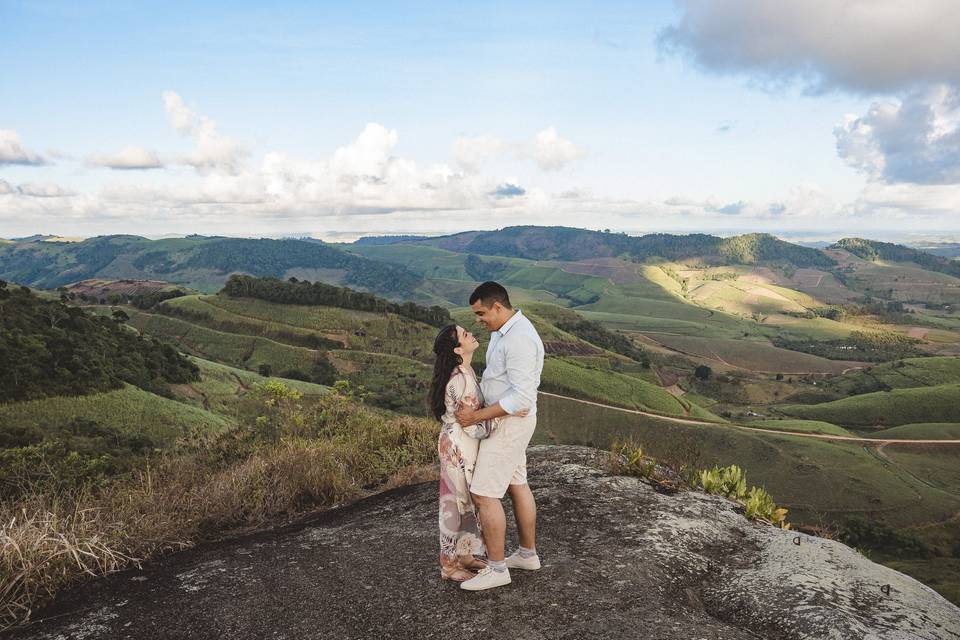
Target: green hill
{"points": [[50, 349], [128, 410], [566, 243], [886, 408], [200, 262], [873, 250], [899, 374], [807, 426], [922, 431]]}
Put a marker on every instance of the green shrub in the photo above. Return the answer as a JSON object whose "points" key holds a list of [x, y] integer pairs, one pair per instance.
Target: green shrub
{"points": [[877, 536], [731, 482]]}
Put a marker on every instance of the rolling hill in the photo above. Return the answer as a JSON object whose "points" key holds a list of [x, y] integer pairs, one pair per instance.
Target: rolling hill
{"points": [[200, 262]]}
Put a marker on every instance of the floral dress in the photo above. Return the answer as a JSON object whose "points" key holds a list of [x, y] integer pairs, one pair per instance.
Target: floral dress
{"points": [[458, 447]]}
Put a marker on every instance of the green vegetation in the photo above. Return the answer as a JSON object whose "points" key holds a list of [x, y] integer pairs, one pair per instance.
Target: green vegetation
{"points": [[877, 536], [873, 250], [482, 270], [628, 458], [201, 262], [862, 346], [568, 378], [751, 355], [809, 426], [731, 482], [886, 408], [289, 457], [565, 243], [317, 293], [596, 334], [130, 409], [922, 431], [393, 382], [234, 349], [899, 374], [50, 349], [818, 480]]}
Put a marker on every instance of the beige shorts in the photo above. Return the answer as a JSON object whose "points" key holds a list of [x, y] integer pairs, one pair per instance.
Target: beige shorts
{"points": [[502, 459]]}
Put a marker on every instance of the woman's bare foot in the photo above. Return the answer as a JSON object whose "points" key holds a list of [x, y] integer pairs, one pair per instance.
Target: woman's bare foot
{"points": [[457, 574]]}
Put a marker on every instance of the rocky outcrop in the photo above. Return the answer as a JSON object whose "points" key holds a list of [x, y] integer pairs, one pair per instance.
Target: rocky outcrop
{"points": [[620, 561]]}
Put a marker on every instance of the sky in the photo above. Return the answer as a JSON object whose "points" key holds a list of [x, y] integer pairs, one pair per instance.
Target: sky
{"points": [[810, 119]]}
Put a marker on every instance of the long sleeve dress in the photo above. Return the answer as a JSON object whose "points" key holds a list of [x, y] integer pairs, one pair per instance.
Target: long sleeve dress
{"points": [[458, 446]]}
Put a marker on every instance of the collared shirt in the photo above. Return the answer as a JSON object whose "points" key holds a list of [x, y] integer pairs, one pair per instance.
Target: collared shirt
{"points": [[514, 364]]}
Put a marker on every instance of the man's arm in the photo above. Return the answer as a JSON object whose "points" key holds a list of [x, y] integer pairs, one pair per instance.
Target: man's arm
{"points": [[466, 416], [521, 369]]}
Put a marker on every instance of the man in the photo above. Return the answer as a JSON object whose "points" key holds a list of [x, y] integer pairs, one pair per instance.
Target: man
{"points": [[509, 386]]}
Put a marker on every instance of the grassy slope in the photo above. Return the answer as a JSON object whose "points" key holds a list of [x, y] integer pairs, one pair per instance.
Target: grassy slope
{"points": [[229, 348], [130, 408], [889, 408], [809, 426], [917, 372], [749, 354], [809, 476], [567, 378], [922, 431]]}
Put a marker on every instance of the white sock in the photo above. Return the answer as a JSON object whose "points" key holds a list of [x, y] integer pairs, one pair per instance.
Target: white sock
{"points": [[497, 565], [526, 553]]}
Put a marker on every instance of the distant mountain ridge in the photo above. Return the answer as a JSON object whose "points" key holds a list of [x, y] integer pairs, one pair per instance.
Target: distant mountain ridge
{"points": [[571, 244], [208, 260], [874, 250]]}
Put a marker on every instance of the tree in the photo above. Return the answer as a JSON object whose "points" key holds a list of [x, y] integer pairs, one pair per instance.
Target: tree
{"points": [[120, 316], [703, 372]]}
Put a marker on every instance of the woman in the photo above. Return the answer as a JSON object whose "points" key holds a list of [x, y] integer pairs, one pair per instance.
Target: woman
{"points": [[453, 383]]}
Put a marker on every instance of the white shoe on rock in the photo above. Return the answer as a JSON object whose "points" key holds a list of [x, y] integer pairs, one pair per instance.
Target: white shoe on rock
{"points": [[486, 579], [516, 561]]}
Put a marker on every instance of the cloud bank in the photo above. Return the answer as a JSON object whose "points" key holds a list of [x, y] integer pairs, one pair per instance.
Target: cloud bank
{"points": [[213, 152], [553, 152], [127, 159], [869, 46], [13, 152], [915, 140]]}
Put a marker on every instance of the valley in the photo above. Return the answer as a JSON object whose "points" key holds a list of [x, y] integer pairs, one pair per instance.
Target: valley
{"points": [[825, 374]]}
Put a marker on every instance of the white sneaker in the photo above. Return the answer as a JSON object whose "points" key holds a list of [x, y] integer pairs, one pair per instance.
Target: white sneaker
{"points": [[486, 579], [516, 561]]}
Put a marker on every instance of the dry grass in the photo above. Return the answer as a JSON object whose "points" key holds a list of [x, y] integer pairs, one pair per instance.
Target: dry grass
{"points": [[331, 452]]}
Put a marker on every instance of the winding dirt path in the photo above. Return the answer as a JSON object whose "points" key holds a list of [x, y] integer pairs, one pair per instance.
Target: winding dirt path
{"points": [[801, 434]]}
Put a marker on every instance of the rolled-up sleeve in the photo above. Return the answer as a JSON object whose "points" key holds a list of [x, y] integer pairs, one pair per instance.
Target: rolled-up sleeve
{"points": [[521, 369]]}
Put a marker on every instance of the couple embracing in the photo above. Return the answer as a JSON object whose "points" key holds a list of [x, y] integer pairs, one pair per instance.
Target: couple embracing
{"points": [[483, 439]]}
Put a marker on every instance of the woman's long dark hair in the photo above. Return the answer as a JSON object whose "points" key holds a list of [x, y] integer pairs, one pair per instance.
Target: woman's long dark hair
{"points": [[443, 346]]}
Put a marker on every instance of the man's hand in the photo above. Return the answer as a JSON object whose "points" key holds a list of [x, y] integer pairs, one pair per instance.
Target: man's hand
{"points": [[466, 415]]}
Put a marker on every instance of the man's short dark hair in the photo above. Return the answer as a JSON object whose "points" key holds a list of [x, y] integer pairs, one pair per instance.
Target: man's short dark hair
{"points": [[490, 292]]}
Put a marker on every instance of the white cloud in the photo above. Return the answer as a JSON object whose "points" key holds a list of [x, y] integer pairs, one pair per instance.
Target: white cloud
{"points": [[859, 45], [805, 200], [914, 140], [367, 156], [6, 188], [553, 152], [12, 151], [213, 152], [472, 153], [128, 158], [43, 190], [909, 204]]}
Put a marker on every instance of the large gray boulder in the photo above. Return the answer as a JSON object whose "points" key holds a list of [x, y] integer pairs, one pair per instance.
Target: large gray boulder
{"points": [[620, 561]]}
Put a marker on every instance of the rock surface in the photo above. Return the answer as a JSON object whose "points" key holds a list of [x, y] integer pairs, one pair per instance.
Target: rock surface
{"points": [[620, 561]]}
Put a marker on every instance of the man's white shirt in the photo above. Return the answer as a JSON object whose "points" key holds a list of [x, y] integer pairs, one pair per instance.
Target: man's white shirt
{"points": [[514, 364]]}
